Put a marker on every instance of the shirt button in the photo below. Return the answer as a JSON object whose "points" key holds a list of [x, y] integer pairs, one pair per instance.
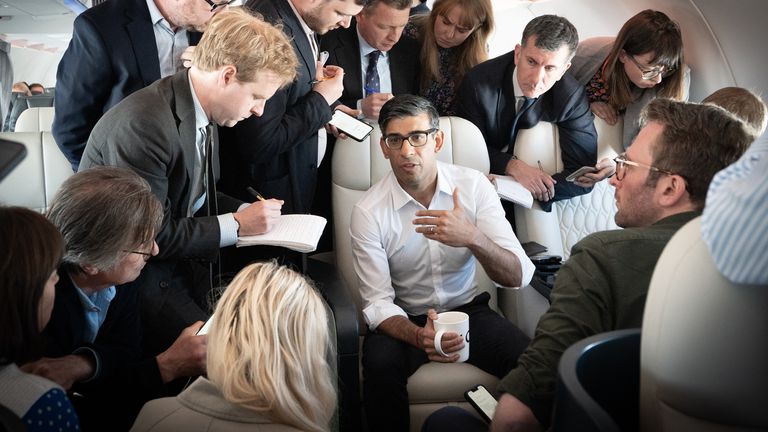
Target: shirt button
{"points": [[163, 284]]}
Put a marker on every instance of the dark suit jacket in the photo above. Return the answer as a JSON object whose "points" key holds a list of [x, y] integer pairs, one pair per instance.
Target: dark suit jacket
{"points": [[117, 347], [486, 97], [153, 133], [112, 54], [277, 152], [343, 48]]}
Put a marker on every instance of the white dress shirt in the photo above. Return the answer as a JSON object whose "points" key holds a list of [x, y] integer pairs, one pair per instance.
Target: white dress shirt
{"points": [[228, 226], [402, 272]]}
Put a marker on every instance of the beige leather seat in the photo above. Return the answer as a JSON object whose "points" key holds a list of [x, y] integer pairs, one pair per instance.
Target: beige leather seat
{"points": [[568, 222], [37, 119], [704, 348], [34, 182], [356, 167]]}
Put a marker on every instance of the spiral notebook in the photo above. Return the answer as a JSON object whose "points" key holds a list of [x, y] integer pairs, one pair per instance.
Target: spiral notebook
{"points": [[299, 232]]}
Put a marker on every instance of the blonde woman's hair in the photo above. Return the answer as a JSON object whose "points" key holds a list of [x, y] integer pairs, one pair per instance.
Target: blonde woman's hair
{"points": [[268, 347], [236, 37], [745, 105], [478, 15]]}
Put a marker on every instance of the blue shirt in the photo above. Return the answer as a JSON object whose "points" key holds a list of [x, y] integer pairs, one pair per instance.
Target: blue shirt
{"points": [[95, 307], [733, 223]]}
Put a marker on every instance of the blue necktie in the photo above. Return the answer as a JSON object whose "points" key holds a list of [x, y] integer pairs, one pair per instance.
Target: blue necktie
{"points": [[372, 84]]}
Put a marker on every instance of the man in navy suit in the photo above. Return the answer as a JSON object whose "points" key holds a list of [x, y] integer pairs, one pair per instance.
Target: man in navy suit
{"points": [[119, 47], [375, 32], [278, 153], [532, 80]]}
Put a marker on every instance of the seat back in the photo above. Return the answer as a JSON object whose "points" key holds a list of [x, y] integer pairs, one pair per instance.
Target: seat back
{"points": [[573, 219], [598, 383], [704, 354], [34, 182], [359, 165], [39, 119]]}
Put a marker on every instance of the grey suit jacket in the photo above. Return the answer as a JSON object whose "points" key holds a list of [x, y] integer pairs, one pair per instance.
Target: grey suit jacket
{"points": [[153, 133], [343, 48]]}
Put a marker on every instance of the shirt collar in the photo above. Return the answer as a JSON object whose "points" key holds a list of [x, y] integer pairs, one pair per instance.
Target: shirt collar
{"points": [[516, 84], [400, 197], [154, 13], [365, 47], [303, 24], [201, 120], [89, 300]]}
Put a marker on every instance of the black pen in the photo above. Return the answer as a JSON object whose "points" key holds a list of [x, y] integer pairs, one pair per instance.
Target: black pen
{"points": [[255, 194]]}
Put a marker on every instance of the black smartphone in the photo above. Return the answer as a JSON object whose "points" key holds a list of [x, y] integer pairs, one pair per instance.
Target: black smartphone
{"points": [[545, 259], [354, 128], [483, 401], [11, 153]]}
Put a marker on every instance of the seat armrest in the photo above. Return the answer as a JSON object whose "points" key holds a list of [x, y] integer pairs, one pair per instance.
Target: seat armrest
{"points": [[338, 298]]}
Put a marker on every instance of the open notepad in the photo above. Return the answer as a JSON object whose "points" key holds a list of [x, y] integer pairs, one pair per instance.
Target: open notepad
{"points": [[509, 189], [299, 232]]}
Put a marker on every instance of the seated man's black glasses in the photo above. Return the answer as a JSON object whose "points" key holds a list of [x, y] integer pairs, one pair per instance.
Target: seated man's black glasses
{"points": [[416, 139]]}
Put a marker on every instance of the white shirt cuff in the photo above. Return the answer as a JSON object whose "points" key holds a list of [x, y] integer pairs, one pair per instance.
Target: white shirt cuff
{"points": [[228, 228], [380, 311]]}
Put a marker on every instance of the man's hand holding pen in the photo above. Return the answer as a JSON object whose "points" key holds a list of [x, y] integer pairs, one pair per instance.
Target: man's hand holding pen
{"points": [[259, 217], [539, 183], [329, 82]]}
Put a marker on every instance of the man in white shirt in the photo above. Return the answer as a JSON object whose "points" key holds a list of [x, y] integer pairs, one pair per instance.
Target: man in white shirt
{"points": [[416, 236]]}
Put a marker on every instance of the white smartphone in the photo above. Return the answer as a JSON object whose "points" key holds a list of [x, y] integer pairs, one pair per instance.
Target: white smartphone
{"points": [[580, 172], [204, 329], [483, 401], [354, 128]]}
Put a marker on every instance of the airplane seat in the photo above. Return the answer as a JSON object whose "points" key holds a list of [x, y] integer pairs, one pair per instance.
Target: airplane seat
{"points": [[38, 119], [597, 384], [356, 167], [573, 219], [34, 182], [703, 351], [568, 222]]}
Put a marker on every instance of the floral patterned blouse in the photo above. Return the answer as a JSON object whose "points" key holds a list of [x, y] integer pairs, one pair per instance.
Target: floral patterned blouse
{"points": [[442, 92]]}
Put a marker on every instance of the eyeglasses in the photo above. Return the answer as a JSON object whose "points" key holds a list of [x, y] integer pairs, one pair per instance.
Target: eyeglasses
{"points": [[622, 162], [648, 74], [215, 6], [416, 139], [146, 255]]}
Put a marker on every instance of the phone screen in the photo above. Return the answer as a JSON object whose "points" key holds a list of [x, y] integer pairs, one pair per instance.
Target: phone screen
{"points": [[580, 172], [483, 401], [354, 128]]}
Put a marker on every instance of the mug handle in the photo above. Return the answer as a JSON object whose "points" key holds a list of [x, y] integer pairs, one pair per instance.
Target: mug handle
{"points": [[438, 340]]}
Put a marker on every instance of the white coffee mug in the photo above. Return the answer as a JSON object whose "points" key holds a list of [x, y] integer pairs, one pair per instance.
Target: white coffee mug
{"points": [[457, 322]]}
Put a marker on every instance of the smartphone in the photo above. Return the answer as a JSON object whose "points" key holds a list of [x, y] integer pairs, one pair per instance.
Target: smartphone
{"points": [[11, 153], [580, 172], [483, 401], [356, 129], [204, 329], [546, 259]]}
